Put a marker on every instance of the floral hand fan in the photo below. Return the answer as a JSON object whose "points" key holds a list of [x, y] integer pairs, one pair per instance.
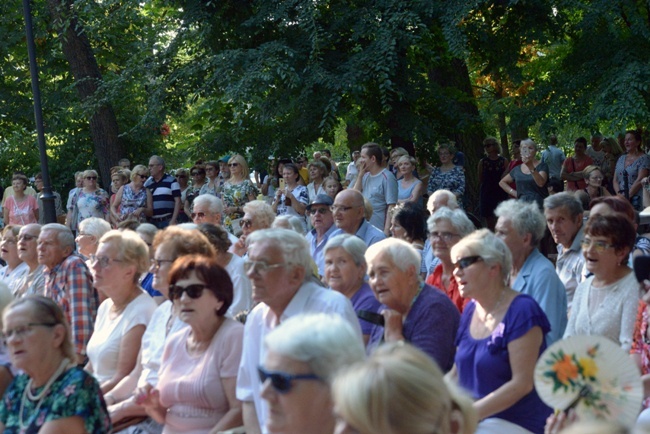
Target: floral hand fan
{"points": [[593, 375]]}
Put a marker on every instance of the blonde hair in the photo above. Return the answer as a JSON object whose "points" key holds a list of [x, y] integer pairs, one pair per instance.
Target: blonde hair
{"points": [[244, 166], [399, 390], [137, 169], [132, 249]]}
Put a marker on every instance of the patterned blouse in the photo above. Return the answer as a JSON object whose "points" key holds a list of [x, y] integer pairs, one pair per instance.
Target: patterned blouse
{"points": [[93, 204], [452, 180], [236, 195], [131, 201]]}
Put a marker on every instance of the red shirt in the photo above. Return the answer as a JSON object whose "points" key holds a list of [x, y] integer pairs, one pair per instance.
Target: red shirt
{"points": [[435, 279]]}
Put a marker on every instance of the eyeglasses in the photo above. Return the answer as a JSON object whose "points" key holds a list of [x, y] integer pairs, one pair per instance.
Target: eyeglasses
{"points": [[102, 261], [245, 223], [599, 246], [259, 267], [143, 176], [465, 262], [336, 208], [282, 381], [197, 214], [27, 237], [192, 291], [233, 164], [314, 211], [181, 176], [22, 331], [91, 178], [444, 236], [156, 263]]}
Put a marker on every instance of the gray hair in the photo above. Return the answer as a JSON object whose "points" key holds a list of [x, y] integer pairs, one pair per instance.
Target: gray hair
{"points": [[214, 204], [63, 234], [326, 342], [131, 249], [452, 201], [158, 159], [147, 229], [488, 246], [456, 217], [94, 226], [401, 253], [528, 142], [289, 222], [261, 211], [352, 244], [295, 249], [564, 200], [526, 218]]}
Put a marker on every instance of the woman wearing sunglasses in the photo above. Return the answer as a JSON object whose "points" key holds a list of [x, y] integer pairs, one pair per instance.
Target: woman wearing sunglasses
{"points": [[236, 192], [606, 303], [500, 338], [196, 387], [303, 355], [123, 317], [133, 200], [89, 201]]}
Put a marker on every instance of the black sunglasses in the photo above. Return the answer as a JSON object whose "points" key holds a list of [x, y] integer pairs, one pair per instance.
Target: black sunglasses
{"points": [[281, 381], [143, 176], [91, 178], [193, 291], [465, 262]]}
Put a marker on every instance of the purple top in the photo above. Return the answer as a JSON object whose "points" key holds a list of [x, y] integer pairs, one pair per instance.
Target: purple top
{"points": [[364, 299], [430, 325], [483, 364]]}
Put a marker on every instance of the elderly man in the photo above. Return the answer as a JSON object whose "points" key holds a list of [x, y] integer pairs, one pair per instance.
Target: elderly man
{"points": [[278, 266], [563, 212], [33, 282], [521, 225], [315, 347], [323, 223], [349, 211], [419, 314], [68, 282], [208, 209], [378, 185], [166, 194]]}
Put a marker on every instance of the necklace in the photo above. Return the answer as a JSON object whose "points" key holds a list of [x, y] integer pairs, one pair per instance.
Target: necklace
{"points": [[490, 315], [27, 393]]}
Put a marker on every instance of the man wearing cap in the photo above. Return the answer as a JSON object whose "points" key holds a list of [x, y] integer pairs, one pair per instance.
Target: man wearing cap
{"points": [[322, 221]]}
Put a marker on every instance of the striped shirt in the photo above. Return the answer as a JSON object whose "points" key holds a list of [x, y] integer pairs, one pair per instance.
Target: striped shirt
{"points": [[163, 192]]}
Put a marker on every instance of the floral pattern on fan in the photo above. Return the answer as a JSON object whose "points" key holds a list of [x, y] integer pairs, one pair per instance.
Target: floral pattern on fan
{"points": [[577, 375]]}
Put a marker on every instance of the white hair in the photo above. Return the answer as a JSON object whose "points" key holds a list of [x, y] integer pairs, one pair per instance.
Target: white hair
{"points": [[289, 222], [326, 342], [294, 247], [214, 204], [488, 246], [352, 244], [452, 201], [94, 226], [526, 218], [401, 253], [456, 217]]}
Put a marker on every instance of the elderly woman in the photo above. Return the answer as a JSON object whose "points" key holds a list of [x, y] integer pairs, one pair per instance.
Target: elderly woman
{"points": [[196, 387], [345, 272], [606, 303], [317, 173], [242, 299], [52, 395], [33, 283], [123, 317], [409, 188], [169, 244], [21, 208], [236, 192], [257, 215], [91, 230], [89, 201], [290, 222], [446, 228], [521, 226], [631, 168], [448, 176], [593, 177], [133, 200], [500, 338], [15, 270], [303, 355], [529, 177], [413, 311], [399, 390]]}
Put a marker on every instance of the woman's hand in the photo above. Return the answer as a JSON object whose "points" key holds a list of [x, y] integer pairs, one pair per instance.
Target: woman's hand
{"points": [[555, 423], [145, 396], [393, 325], [240, 246]]}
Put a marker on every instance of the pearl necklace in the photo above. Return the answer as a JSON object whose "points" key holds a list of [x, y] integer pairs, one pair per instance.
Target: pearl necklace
{"points": [[27, 393]]}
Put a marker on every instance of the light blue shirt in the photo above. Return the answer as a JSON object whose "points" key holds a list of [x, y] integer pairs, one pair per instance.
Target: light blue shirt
{"points": [[367, 232], [539, 279], [317, 249]]}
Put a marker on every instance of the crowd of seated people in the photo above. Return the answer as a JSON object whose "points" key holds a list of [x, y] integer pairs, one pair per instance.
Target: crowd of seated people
{"points": [[362, 311]]}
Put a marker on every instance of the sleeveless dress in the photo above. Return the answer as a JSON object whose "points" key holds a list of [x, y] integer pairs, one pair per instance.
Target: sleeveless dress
{"points": [[405, 193], [491, 194], [132, 201]]}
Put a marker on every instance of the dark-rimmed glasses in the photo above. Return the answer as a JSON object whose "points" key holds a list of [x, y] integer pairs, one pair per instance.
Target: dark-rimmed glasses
{"points": [[193, 291], [465, 262], [282, 381]]}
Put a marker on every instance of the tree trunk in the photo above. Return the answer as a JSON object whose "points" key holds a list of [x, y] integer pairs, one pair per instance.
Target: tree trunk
{"points": [[83, 66]]}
